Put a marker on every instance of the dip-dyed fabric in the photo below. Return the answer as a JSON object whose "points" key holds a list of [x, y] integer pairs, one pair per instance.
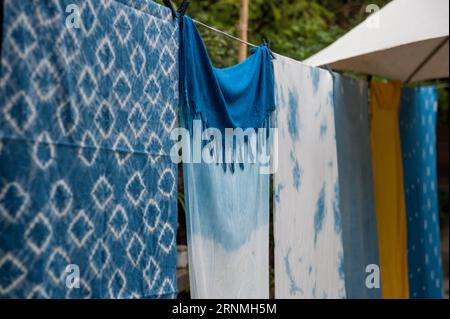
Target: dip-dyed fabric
{"points": [[388, 183], [85, 173], [227, 203], [359, 225], [309, 257], [418, 137], [228, 231]]}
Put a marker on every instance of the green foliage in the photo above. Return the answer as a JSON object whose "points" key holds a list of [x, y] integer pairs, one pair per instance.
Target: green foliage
{"points": [[443, 102], [295, 28]]}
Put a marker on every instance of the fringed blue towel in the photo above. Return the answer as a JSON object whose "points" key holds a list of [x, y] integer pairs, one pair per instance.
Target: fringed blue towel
{"points": [[309, 259], [418, 138], [85, 173], [359, 226], [238, 96], [227, 203]]}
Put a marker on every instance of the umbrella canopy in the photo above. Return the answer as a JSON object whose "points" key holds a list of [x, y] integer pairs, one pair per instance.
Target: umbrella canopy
{"points": [[407, 40]]}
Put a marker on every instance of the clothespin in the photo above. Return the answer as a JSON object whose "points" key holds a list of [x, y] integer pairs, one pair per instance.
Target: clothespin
{"points": [[181, 10], [183, 7], [328, 68], [169, 5], [267, 44]]}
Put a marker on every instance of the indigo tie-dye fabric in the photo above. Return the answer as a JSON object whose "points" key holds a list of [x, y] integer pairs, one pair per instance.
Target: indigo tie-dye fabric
{"points": [[85, 175], [418, 138], [359, 226], [309, 258], [227, 203]]}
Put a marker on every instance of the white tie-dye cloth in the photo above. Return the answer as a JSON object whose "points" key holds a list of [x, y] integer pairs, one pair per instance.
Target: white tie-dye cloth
{"points": [[309, 259]]}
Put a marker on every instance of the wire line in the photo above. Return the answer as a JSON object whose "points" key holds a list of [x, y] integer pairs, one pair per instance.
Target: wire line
{"points": [[224, 33]]}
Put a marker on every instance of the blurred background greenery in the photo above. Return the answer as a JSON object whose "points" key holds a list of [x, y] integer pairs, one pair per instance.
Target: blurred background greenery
{"points": [[295, 28]]}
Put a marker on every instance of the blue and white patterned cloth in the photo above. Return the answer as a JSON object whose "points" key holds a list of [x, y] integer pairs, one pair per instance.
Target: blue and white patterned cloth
{"points": [[418, 138], [309, 259], [359, 225], [85, 175]]}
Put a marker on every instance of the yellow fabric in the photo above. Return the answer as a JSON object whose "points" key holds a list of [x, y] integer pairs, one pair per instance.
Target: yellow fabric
{"points": [[389, 195]]}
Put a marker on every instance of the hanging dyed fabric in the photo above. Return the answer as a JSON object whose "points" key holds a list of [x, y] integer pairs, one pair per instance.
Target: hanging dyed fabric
{"points": [[85, 174], [227, 203], [417, 131], [309, 260], [357, 205], [389, 195]]}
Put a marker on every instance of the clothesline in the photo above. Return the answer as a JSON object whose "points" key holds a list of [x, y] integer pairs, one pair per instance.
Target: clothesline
{"points": [[224, 33], [444, 85], [233, 37], [242, 41]]}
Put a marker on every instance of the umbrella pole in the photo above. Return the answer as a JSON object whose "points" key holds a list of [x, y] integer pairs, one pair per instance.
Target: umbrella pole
{"points": [[425, 61]]}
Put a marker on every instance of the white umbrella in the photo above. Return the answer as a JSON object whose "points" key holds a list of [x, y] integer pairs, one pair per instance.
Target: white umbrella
{"points": [[407, 40]]}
